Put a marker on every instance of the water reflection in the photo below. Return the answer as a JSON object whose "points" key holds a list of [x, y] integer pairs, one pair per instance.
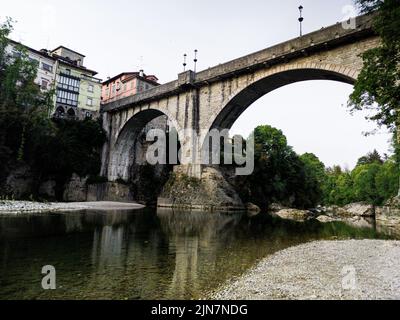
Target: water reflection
{"points": [[189, 235], [144, 254]]}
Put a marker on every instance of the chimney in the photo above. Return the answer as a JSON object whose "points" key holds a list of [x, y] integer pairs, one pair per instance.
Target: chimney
{"points": [[141, 73]]}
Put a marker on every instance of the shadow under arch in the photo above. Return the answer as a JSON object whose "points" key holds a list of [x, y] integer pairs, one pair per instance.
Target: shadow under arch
{"points": [[124, 154], [243, 99]]}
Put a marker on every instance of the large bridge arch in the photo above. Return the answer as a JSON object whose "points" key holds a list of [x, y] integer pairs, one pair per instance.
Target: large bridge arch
{"points": [[125, 139], [265, 82]]}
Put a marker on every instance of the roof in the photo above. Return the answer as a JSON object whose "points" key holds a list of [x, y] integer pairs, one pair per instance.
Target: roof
{"points": [[59, 47], [120, 76], [56, 57], [43, 54], [70, 64], [131, 75]]}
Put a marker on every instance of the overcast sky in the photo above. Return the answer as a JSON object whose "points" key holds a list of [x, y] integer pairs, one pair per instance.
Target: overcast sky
{"points": [[127, 35]]}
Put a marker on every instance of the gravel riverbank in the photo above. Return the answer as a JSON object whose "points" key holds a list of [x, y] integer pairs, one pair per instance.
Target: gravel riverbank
{"points": [[17, 207], [323, 270]]}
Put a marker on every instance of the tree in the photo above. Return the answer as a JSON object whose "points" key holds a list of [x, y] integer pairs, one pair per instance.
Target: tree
{"points": [[364, 185], [23, 107], [372, 157], [378, 86], [338, 187], [280, 175], [314, 179], [387, 179]]}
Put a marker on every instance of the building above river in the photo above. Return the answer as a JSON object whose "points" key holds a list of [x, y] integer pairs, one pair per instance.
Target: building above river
{"points": [[127, 84], [77, 90]]}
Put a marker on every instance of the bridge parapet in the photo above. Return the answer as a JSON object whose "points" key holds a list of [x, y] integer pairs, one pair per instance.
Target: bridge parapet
{"points": [[320, 40]]}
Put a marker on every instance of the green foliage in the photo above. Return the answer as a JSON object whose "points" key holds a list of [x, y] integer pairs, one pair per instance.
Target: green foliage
{"points": [[364, 183], [314, 178], [303, 181], [23, 107], [373, 181], [372, 157], [280, 174], [378, 86]]}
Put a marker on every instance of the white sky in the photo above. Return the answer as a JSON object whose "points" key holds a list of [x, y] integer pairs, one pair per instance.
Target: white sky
{"points": [[126, 35]]}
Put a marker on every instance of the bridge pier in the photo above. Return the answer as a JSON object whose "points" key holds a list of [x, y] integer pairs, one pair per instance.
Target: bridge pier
{"points": [[190, 170], [210, 192]]}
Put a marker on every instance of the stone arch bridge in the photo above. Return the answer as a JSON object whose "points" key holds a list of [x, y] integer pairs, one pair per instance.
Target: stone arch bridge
{"points": [[216, 97]]}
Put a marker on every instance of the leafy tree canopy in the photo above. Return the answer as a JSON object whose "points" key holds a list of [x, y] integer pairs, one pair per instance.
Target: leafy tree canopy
{"points": [[378, 86]]}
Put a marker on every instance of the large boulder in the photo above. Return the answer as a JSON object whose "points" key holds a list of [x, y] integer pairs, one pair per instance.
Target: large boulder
{"points": [[212, 192], [294, 214], [388, 217], [76, 189], [251, 207], [274, 207], [360, 209], [351, 210], [326, 219], [19, 183]]}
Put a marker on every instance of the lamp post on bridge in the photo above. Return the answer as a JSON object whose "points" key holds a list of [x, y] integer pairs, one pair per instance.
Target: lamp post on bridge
{"points": [[195, 60], [301, 19], [184, 62]]}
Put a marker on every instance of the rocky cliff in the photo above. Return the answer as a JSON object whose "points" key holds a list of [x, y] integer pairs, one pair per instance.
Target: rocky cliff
{"points": [[212, 192]]}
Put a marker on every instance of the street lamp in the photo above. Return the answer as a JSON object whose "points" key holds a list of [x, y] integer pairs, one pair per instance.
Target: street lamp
{"points": [[184, 62], [301, 19], [195, 60]]}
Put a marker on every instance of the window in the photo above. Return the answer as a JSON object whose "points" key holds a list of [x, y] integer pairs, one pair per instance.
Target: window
{"points": [[47, 67], [90, 88], [125, 87], [44, 84], [68, 83], [66, 97], [89, 102], [68, 71]]}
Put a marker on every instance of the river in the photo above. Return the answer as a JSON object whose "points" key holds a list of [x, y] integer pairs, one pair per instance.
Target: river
{"points": [[144, 254]]}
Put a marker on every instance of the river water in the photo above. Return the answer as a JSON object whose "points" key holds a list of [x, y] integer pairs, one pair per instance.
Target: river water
{"points": [[144, 254]]}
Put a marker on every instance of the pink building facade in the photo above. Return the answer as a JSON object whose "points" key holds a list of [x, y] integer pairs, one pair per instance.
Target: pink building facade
{"points": [[127, 84]]}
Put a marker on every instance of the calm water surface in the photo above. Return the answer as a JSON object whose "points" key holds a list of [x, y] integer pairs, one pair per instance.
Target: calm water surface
{"points": [[145, 254]]}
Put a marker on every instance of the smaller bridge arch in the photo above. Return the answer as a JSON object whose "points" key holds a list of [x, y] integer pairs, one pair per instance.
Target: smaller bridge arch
{"points": [[123, 155]]}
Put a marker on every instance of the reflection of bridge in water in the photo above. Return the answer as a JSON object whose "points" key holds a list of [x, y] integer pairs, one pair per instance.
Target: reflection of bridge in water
{"points": [[189, 235]]}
